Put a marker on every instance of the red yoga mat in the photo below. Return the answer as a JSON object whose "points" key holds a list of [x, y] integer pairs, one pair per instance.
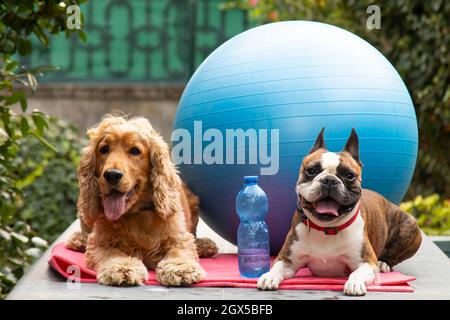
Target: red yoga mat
{"points": [[222, 271]]}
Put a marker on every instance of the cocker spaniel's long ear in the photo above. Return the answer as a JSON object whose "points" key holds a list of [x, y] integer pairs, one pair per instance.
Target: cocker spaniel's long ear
{"points": [[88, 200], [164, 178]]}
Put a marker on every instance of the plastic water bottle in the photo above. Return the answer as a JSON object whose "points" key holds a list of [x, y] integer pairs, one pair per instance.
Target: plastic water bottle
{"points": [[253, 234]]}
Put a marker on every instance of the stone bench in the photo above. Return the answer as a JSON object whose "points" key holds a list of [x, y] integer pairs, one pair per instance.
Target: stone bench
{"points": [[430, 266]]}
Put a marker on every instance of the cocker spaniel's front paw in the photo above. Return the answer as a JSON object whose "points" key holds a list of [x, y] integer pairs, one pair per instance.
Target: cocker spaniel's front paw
{"points": [[77, 241], [206, 248], [122, 272], [179, 274]]}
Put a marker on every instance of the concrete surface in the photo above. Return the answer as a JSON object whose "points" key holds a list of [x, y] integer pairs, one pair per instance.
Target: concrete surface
{"points": [[430, 265], [443, 242]]}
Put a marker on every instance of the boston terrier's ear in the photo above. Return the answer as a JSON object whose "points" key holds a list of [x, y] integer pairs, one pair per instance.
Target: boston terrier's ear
{"points": [[320, 143], [352, 146]]}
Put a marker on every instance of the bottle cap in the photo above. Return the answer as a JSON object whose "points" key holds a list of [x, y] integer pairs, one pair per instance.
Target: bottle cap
{"points": [[251, 179]]}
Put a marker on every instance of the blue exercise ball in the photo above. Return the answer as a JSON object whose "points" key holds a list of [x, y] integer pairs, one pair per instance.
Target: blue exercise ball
{"points": [[295, 77]]}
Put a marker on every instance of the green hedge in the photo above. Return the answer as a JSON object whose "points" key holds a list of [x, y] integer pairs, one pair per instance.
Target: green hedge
{"points": [[432, 214], [19, 246], [19, 22], [46, 203], [49, 182]]}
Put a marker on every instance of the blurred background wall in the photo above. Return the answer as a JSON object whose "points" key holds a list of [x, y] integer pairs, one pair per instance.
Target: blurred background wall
{"points": [[138, 57], [85, 105]]}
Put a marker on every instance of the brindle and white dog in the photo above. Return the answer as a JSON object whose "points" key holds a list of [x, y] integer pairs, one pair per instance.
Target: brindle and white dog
{"points": [[340, 229]]}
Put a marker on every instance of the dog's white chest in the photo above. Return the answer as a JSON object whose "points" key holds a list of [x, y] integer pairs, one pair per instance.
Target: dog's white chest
{"points": [[328, 255]]}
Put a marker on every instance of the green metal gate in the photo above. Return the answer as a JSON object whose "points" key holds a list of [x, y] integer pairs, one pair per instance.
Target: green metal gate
{"points": [[140, 41]]}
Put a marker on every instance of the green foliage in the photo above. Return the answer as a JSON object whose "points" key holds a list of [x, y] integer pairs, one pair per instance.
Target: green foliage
{"points": [[432, 213], [415, 37], [15, 235], [49, 181], [19, 246], [19, 21]]}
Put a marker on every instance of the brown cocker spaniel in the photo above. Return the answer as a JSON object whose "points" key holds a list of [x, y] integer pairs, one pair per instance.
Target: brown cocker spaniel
{"points": [[134, 210]]}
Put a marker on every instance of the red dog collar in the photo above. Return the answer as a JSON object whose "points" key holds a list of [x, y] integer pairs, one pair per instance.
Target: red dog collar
{"points": [[330, 231]]}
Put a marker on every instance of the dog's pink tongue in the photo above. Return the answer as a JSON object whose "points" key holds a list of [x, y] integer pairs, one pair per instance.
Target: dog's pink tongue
{"points": [[328, 206], [114, 205]]}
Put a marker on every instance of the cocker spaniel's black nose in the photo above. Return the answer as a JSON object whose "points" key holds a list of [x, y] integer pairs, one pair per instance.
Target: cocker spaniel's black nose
{"points": [[113, 176]]}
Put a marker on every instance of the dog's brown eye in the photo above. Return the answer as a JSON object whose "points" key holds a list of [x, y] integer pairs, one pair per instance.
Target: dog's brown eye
{"points": [[311, 172], [135, 151], [350, 176], [104, 150]]}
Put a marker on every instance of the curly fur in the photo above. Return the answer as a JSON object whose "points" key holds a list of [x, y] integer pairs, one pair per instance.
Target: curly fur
{"points": [[160, 237]]}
